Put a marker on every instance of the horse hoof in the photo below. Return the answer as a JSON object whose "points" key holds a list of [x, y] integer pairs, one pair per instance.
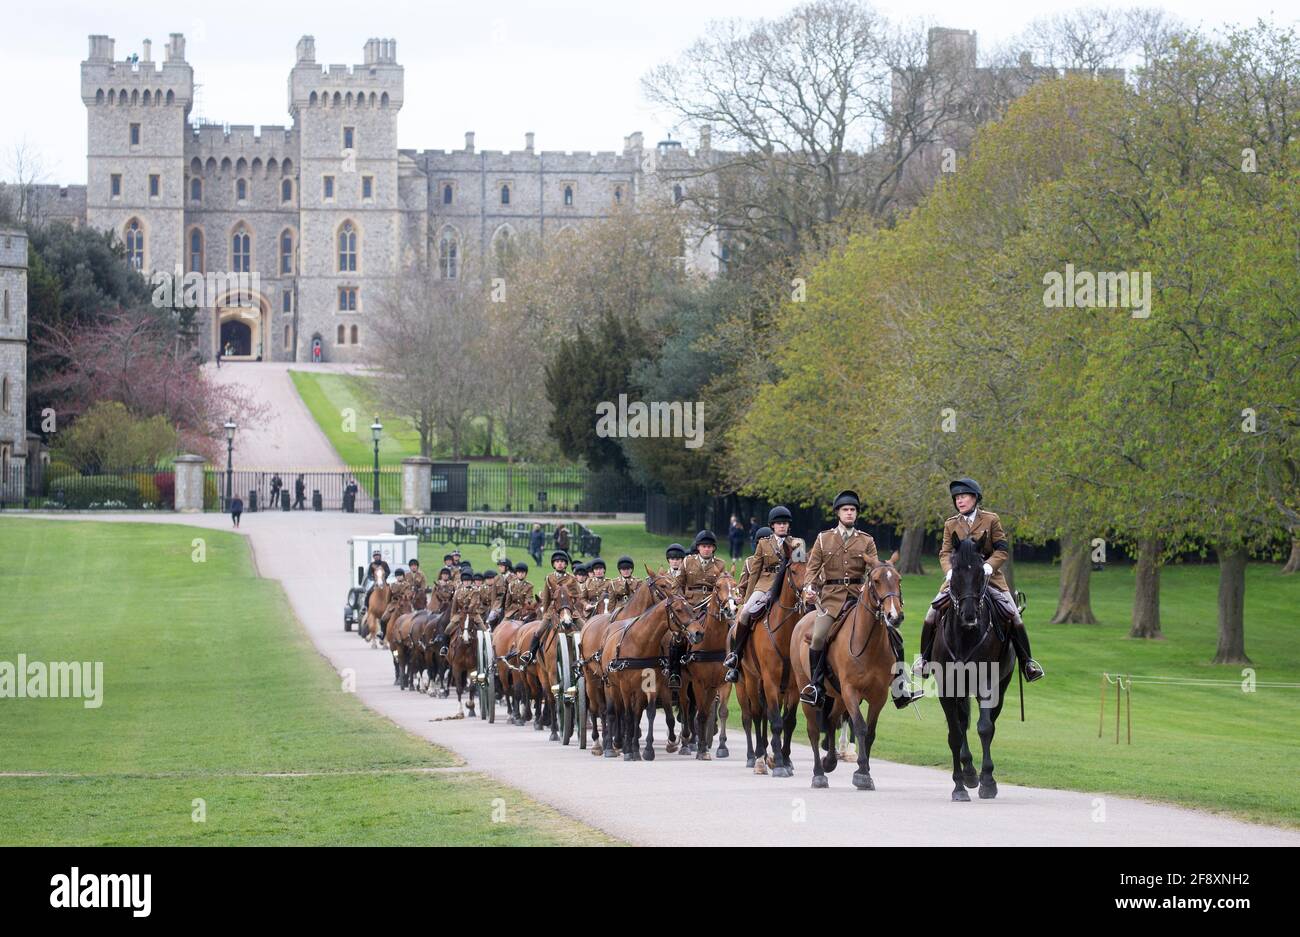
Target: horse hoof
{"points": [[629, 756], [597, 752], [782, 771], [960, 796], [722, 751], [863, 782], [649, 753], [970, 778], [672, 747], [553, 737], [703, 756], [749, 762], [761, 768], [989, 791], [611, 753], [830, 761], [820, 782]]}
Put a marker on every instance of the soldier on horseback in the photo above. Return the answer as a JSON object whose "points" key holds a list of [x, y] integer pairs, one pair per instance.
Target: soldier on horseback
{"points": [[700, 572], [376, 573], [560, 591], [770, 554], [444, 588], [838, 566], [597, 585], [519, 591], [674, 555], [985, 528], [621, 588], [418, 585]]}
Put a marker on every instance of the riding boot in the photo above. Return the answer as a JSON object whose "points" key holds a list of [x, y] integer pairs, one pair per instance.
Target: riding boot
{"points": [[674, 666], [1028, 666], [902, 694], [812, 694], [527, 656], [927, 643], [732, 660]]}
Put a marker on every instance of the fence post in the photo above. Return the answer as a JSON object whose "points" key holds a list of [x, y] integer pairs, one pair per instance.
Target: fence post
{"points": [[189, 483], [417, 479]]}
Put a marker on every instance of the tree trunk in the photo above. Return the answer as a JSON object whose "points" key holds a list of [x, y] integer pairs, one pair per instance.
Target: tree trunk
{"points": [[910, 550], [1293, 562], [1232, 601], [1074, 606], [1146, 593]]}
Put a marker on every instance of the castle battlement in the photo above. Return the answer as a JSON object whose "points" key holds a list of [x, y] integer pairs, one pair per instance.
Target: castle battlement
{"points": [[106, 81], [239, 136]]}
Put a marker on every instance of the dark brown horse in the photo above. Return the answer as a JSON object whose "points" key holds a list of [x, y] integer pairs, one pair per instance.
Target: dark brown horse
{"points": [[702, 669], [860, 668], [769, 696], [972, 656]]}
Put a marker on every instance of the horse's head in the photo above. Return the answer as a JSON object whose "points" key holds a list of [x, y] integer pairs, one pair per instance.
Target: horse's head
{"points": [[968, 581], [718, 612], [886, 588]]}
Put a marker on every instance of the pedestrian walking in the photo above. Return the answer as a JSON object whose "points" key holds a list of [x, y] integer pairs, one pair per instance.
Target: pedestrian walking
{"points": [[236, 509], [535, 542], [736, 535], [299, 494]]}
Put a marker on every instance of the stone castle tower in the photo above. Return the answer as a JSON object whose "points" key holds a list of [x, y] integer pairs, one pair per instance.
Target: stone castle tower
{"points": [[13, 361]]}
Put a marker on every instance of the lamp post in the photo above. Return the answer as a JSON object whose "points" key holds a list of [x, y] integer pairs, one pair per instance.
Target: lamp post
{"points": [[230, 455], [375, 429]]}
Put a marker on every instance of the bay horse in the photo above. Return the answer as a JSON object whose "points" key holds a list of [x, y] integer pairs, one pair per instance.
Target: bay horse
{"points": [[397, 636], [503, 642], [592, 650], [632, 659], [702, 670], [525, 685], [859, 668], [770, 695], [376, 605], [972, 650], [462, 658]]}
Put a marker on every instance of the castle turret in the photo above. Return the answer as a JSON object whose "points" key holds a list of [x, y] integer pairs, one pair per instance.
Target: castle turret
{"points": [[136, 114], [13, 361]]}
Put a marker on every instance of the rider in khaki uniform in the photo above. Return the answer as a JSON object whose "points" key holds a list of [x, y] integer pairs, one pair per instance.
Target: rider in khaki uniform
{"points": [[769, 553], [519, 591], [597, 586], [466, 603], [621, 588], [444, 588], [700, 572], [985, 528], [838, 566], [418, 586], [750, 564], [560, 589], [674, 555]]}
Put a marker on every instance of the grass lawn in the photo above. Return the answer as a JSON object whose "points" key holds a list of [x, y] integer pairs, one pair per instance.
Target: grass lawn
{"points": [[236, 710], [1212, 747], [329, 397]]}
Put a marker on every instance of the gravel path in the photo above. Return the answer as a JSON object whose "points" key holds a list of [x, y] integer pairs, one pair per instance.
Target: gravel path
{"points": [[676, 800]]}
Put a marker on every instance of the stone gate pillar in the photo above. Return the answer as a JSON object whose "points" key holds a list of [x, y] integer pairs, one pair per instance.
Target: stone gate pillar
{"points": [[189, 483], [417, 475]]}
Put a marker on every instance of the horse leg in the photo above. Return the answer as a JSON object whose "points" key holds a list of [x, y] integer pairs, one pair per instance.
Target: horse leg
{"points": [[956, 739], [812, 717], [747, 723], [865, 731], [968, 775], [987, 724], [651, 700], [830, 727], [611, 723], [788, 718], [777, 720], [630, 719], [722, 713]]}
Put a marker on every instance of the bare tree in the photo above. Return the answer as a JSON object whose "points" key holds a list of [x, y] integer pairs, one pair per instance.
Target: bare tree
{"points": [[429, 335], [26, 170]]}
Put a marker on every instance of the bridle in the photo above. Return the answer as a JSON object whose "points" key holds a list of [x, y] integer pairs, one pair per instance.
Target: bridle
{"points": [[877, 613]]}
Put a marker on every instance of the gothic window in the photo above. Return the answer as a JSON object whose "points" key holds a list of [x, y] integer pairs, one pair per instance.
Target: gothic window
{"points": [[341, 331], [568, 196], [286, 302], [4, 395], [367, 187], [677, 195], [241, 251], [115, 185], [353, 334], [347, 299], [446, 193], [349, 134], [347, 248], [618, 195], [155, 185], [241, 189], [505, 193], [503, 249], [286, 251], [286, 190], [196, 190], [135, 244], [448, 254], [328, 190], [135, 134], [196, 250]]}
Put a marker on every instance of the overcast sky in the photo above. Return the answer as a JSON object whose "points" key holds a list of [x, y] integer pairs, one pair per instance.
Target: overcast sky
{"points": [[569, 71]]}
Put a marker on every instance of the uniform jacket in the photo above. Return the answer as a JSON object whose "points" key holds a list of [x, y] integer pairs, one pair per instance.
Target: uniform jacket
{"points": [[767, 556], [557, 583], [699, 577], [417, 586], [518, 592], [745, 574], [834, 558], [989, 537], [620, 589]]}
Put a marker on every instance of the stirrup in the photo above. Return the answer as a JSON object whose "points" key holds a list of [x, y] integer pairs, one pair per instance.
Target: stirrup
{"points": [[918, 668], [1031, 675], [731, 662], [674, 681], [906, 698], [732, 675], [526, 657], [811, 694]]}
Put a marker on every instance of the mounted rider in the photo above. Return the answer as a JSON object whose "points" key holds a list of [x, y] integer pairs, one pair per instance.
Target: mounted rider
{"points": [[700, 572], [519, 592], [751, 563], [558, 592], [373, 576], [466, 608], [838, 566], [418, 585], [597, 586], [770, 554], [444, 588], [621, 588], [985, 528], [674, 555]]}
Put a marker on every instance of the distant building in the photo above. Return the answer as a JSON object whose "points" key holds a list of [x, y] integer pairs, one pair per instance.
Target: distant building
{"points": [[13, 361]]}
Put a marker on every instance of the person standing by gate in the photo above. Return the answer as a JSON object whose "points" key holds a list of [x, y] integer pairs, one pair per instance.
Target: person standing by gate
{"points": [[299, 494], [535, 542], [736, 534], [276, 484]]}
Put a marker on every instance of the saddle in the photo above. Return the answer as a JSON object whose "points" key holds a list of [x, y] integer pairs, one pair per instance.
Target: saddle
{"points": [[837, 624]]}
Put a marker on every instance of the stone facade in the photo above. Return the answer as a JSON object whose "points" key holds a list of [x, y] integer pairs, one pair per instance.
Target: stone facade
{"points": [[13, 356], [326, 210]]}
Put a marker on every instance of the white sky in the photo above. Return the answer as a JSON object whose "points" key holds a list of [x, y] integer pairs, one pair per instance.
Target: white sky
{"points": [[569, 70]]}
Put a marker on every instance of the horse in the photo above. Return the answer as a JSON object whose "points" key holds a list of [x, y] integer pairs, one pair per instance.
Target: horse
{"points": [[525, 684], [503, 642], [375, 608], [860, 667], [769, 695], [970, 647], [592, 649], [702, 668], [631, 659], [462, 658], [396, 635]]}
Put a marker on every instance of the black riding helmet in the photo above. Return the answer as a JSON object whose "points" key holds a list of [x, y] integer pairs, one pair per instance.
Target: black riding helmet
{"points": [[595, 564], [846, 497], [478, 577], [559, 555], [521, 567], [625, 562], [705, 536], [580, 570], [779, 513], [762, 532], [444, 573], [490, 574], [675, 551], [965, 486], [504, 561]]}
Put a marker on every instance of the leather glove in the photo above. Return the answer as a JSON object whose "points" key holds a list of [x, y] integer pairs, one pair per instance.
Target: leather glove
{"points": [[988, 570]]}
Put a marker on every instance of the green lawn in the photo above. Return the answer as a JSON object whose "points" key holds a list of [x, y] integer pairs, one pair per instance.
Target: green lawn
{"points": [[344, 406], [210, 688], [1212, 747]]}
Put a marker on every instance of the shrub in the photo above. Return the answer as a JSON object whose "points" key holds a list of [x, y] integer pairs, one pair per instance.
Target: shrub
{"points": [[95, 491]]}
